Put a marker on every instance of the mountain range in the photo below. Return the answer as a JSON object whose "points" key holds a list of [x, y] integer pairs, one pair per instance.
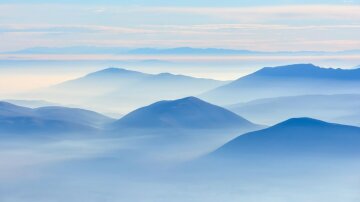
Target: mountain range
{"points": [[188, 113], [100, 82], [166, 51], [122, 90], [290, 80], [17, 119]]}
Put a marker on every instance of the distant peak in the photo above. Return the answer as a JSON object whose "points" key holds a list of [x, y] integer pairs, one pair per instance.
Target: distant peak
{"points": [[190, 99], [307, 71], [302, 121], [308, 65], [114, 70], [165, 74], [294, 66]]}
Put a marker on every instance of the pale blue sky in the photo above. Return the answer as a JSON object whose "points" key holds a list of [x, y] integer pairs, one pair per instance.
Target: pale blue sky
{"points": [[330, 25], [188, 2]]}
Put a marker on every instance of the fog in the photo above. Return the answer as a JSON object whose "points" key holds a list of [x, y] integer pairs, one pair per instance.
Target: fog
{"points": [[158, 166], [142, 162], [44, 70]]}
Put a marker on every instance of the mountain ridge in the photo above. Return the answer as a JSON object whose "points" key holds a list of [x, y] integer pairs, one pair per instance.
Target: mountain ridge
{"points": [[55, 119], [188, 112], [109, 87], [295, 136], [175, 50], [288, 80]]}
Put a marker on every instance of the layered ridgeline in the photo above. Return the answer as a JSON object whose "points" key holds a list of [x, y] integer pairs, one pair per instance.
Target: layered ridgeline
{"points": [[185, 113], [291, 80], [31, 103], [341, 108], [100, 82], [297, 154], [20, 120], [295, 137], [166, 51], [179, 130], [121, 90]]}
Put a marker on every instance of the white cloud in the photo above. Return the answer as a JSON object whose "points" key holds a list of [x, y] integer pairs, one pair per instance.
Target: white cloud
{"points": [[50, 28], [294, 11], [268, 28]]}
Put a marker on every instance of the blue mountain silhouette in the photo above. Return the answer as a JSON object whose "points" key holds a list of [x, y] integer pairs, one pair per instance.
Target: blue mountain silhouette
{"points": [[290, 80], [107, 89], [189, 112], [296, 136], [17, 119]]}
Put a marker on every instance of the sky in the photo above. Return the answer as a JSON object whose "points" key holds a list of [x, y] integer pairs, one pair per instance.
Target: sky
{"points": [[278, 25]]}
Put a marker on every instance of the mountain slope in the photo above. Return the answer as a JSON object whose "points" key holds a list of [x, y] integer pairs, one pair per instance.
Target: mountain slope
{"points": [[297, 136], [34, 125], [8, 109], [291, 80], [164, 86], [16, 119], [31, 103], [189, 112], [99, 82], [342, 108], [74, 115], [107, 89], [117, 80]]}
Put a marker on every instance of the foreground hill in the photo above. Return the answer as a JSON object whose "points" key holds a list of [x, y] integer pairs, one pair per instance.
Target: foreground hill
{"points": [[188, 113], [179, 130], [17, 119], [291, 80], [342, 108], [295, 137]]}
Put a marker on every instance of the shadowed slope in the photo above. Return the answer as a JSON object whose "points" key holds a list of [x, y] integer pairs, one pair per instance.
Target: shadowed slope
{"points": [[297, 136]]}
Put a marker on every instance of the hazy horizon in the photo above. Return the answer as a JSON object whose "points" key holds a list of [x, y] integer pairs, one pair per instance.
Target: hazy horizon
{"points": [[179, 101], [259, 25]]}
